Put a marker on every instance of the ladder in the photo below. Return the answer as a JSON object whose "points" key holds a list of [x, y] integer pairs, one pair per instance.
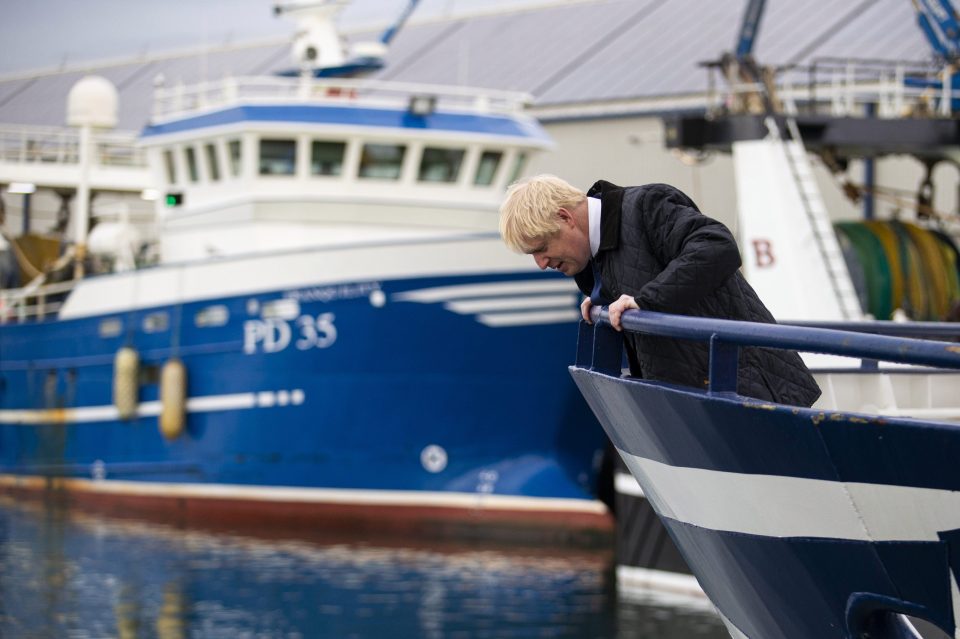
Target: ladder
{"points": [[816, 212]]}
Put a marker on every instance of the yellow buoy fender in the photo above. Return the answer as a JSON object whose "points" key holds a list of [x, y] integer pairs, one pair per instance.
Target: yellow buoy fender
{"points": [[173, 398], [126, 372]]}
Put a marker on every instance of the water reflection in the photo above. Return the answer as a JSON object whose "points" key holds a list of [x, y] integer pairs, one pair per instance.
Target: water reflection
{"points": [[64, 574]]}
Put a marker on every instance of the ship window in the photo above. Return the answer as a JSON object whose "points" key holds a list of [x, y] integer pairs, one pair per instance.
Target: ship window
{"points": [[518, 167], [489, 162], [234, 147], [171, 167], [326, 158], [278, 157], [212, 163], [440, 165], [156, 322], [110, 327], [382, 161], [192, 164], [284, 308], [212, 316]]}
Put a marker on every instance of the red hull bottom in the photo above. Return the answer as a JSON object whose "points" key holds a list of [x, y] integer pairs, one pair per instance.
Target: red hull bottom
{"points": [[322, 521]]}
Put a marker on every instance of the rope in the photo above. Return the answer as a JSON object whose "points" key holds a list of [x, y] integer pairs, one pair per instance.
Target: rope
{"points": [[901, 197]]}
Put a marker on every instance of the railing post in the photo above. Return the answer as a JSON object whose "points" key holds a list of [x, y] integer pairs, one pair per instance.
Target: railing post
{"points": [[947, 94], [724, 361], [899, 99], [599, 348]]}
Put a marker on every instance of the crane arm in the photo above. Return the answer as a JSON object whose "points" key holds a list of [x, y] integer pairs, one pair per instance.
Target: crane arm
{"points": [[749, 27], [392, 30], [939, 23]]}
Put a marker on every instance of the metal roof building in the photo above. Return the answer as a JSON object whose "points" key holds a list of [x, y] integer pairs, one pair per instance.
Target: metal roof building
{"points": [[628, 55]]}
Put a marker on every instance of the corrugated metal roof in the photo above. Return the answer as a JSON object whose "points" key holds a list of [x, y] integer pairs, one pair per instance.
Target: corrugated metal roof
{"points": [[883, 29], [564, 53]]}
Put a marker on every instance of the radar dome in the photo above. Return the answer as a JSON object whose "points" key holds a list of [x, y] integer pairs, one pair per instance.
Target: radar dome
{"points": [[92, 102]]}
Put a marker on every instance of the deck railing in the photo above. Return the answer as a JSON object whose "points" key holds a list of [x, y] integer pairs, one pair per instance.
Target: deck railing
{"points": [[600, 347], [178, 100], [846, 87], [33, 302], [22, 144]]}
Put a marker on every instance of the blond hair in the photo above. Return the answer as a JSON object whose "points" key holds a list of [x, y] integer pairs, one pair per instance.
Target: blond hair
{"points": [[528, 213]]}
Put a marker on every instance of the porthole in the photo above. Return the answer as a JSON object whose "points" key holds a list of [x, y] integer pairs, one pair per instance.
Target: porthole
{"points": [[111, 327], [209, 316], [156, 322]]}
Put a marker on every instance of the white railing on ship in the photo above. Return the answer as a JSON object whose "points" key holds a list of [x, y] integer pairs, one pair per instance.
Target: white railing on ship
{"points": [[845, 88], [60, 145], [31, 302], [176, 100]]}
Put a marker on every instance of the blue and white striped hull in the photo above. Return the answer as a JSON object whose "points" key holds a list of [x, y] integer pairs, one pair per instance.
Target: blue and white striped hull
{"points": [[797, 523]]}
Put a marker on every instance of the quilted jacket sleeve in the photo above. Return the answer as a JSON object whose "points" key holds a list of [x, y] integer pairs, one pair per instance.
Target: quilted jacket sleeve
{"points": [[698, 254]]}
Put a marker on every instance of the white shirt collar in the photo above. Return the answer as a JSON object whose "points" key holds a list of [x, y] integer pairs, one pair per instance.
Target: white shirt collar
{"points": [[593, 215]]}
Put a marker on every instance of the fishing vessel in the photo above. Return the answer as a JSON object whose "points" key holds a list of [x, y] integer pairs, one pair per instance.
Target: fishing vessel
{"points": [[325, 331]]}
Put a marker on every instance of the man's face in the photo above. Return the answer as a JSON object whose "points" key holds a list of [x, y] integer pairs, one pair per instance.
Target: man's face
{"points": [[567, 250]]}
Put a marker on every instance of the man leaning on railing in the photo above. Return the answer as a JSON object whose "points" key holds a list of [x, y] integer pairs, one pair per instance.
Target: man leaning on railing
{"points": [[650, 247]]}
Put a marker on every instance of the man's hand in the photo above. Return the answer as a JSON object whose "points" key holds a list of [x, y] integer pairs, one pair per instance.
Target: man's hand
{"points": [[585, 307], [615, 310]]}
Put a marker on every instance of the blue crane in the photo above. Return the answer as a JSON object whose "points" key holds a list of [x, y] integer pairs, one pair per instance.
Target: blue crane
{"points": [[749, 28], [938, 21], [741, 67]]}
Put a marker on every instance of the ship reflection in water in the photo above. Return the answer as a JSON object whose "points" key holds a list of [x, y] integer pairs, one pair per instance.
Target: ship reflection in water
{"points": [[66, 575]]}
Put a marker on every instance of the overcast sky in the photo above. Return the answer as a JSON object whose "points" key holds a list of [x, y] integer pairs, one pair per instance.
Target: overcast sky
{"points": [[39, 34]]}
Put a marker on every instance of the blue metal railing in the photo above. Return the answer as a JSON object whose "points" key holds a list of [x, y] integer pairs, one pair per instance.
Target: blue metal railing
{"points": [[600, 347], [924, 330]]}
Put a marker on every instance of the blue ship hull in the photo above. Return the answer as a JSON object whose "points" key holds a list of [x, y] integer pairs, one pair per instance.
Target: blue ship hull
{"points": [[797, 522], [354, 414]]}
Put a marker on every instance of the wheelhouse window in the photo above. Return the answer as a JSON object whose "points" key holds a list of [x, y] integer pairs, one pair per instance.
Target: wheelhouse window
{"points": [[233, 148], [326, 158], [440, 165], [171, 167], [383, 161], [213, 165], [518, 166], [156, 322], [278, 157], [192, 164], [487, 168]]}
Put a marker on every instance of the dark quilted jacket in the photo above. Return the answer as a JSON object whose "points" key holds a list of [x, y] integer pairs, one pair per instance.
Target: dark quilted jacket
{"points": [[656, 246]]}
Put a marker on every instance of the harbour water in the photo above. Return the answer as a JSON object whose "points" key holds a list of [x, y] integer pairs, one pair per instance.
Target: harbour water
{"points": [[67, 574]]}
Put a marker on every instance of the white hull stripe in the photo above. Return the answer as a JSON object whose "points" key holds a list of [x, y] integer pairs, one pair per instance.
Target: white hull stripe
{"points": [[497, 320], [636, 582], [777, 506], [204, 404], [626, 484], [467, 291], [500, 304], [482, 501], [495, 304]]}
